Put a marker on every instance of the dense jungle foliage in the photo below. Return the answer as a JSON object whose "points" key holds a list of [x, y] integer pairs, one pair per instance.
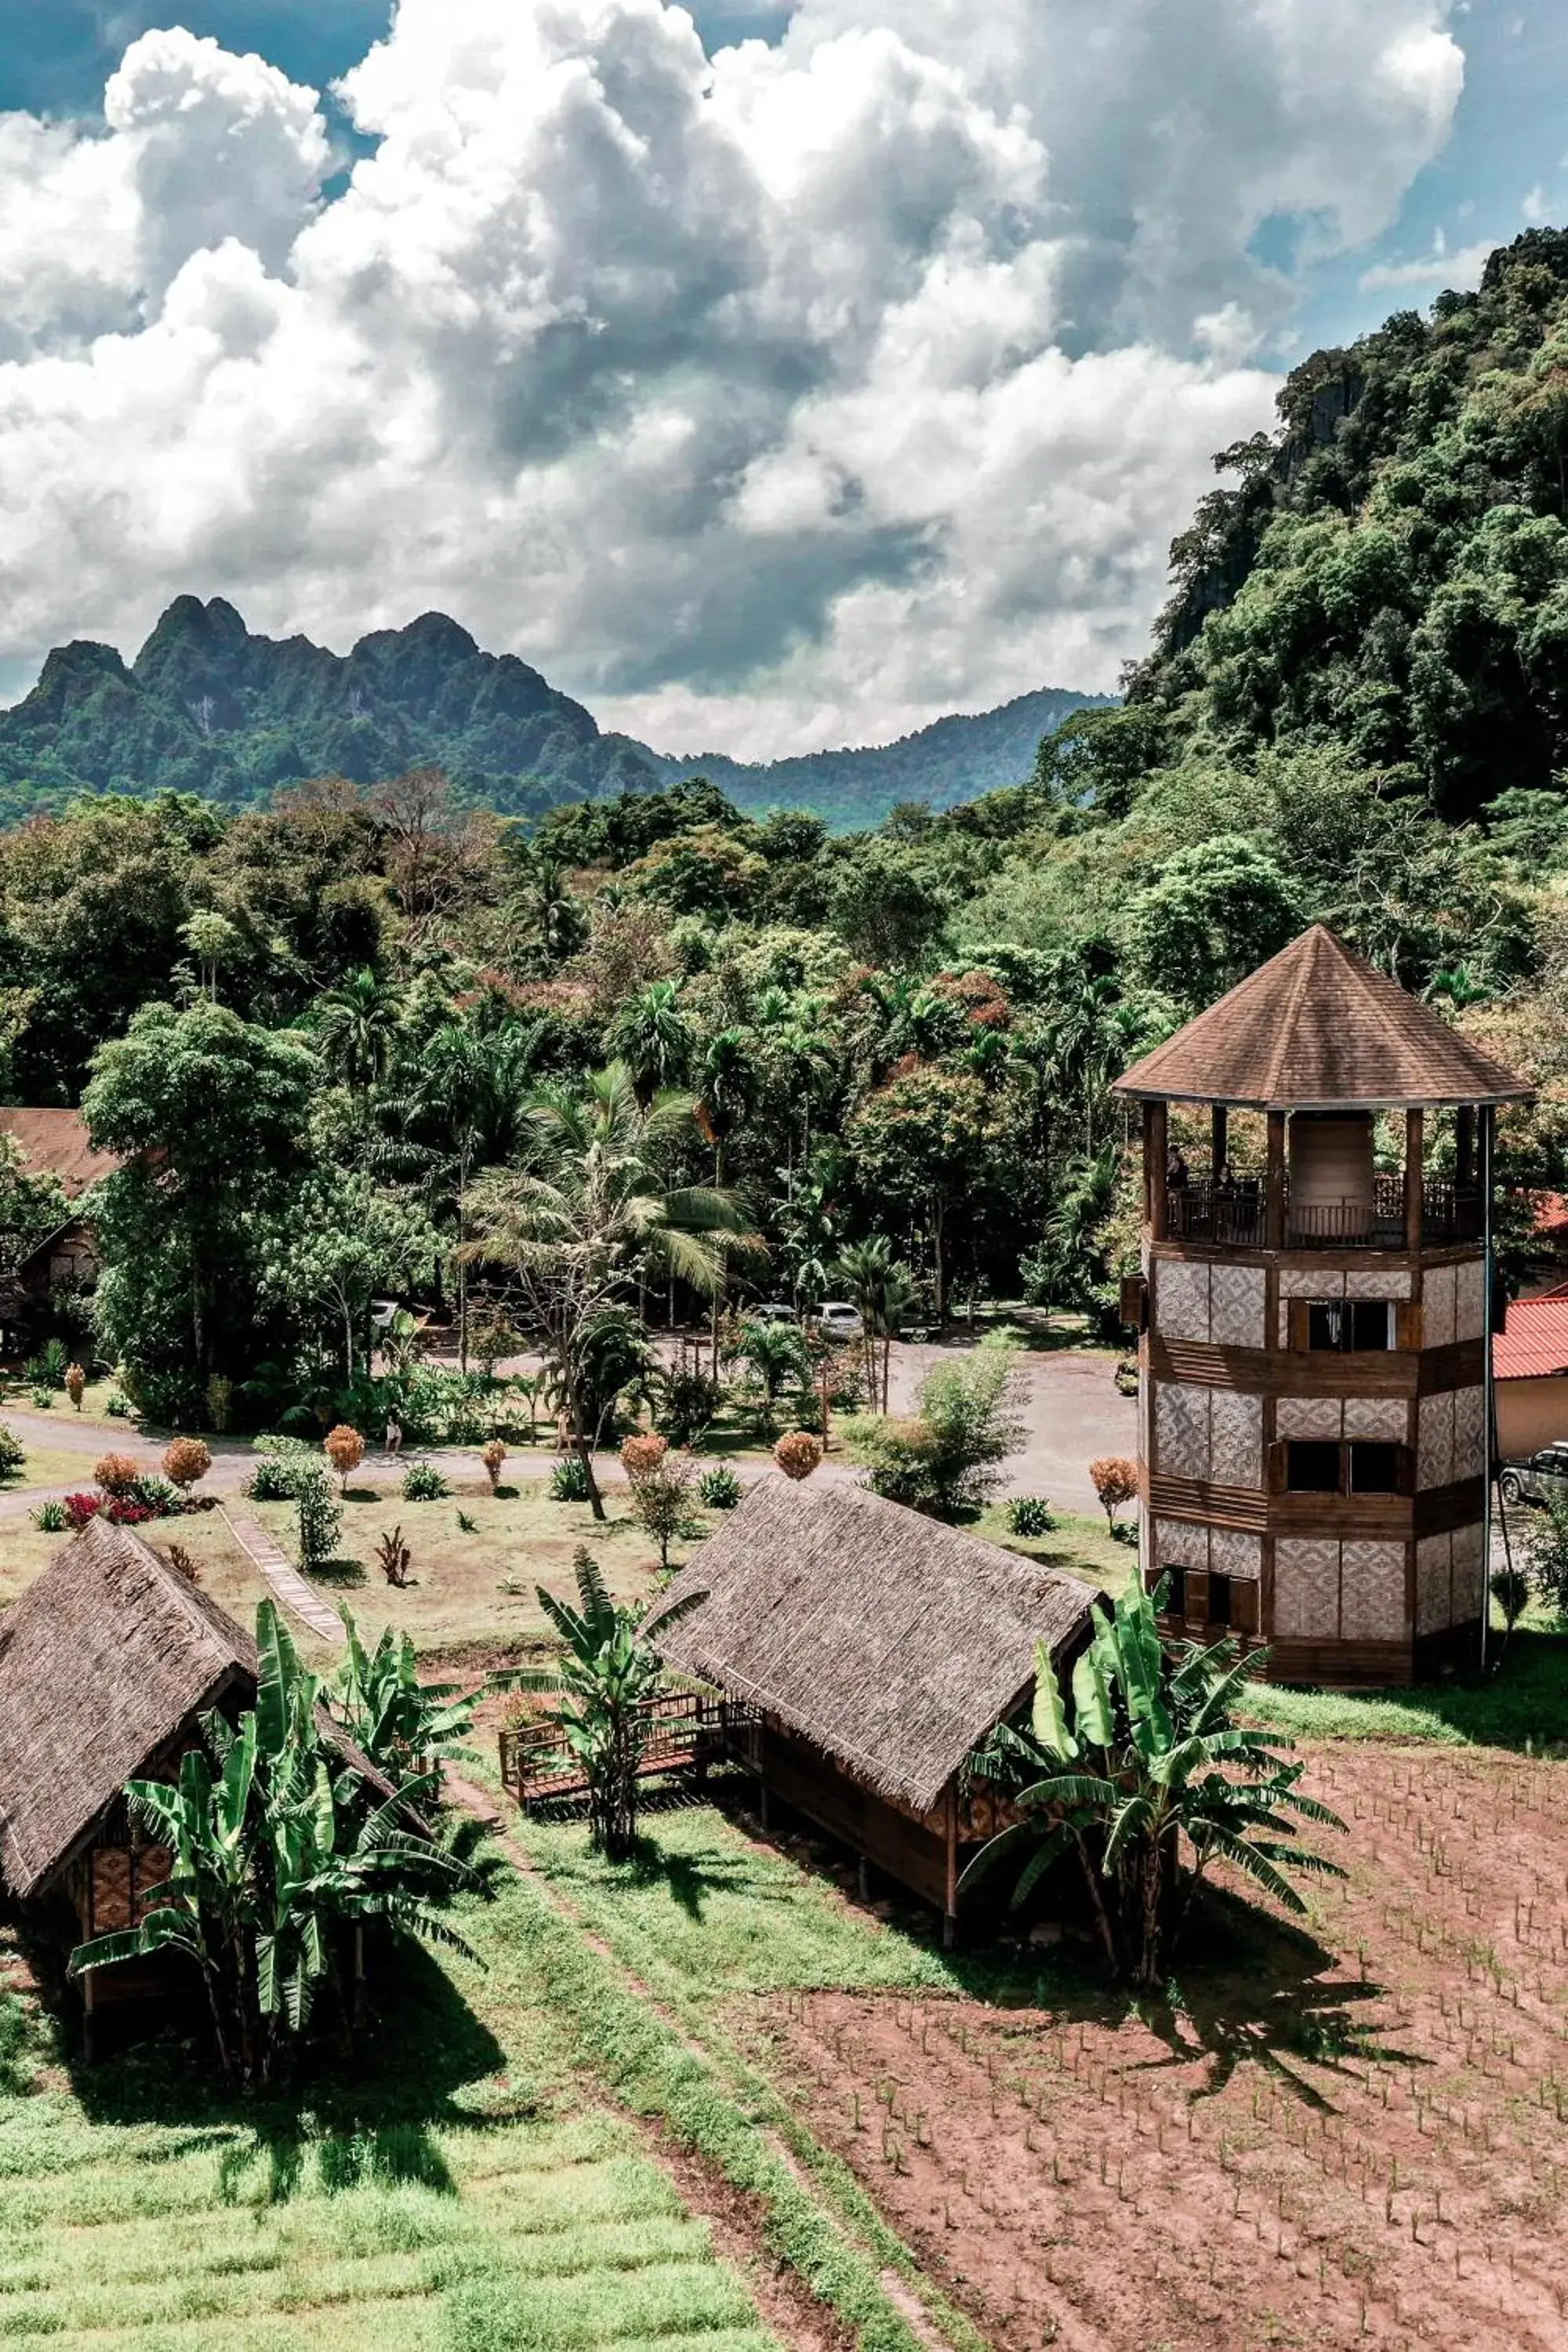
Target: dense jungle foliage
{"points": [[321, 1030]]}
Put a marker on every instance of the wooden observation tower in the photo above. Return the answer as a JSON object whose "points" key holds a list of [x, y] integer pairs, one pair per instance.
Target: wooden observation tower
{"points": [[1315, 1391]]}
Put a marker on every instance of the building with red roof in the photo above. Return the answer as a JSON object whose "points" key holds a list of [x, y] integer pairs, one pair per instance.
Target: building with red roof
{"points": [[1530, 1370]]}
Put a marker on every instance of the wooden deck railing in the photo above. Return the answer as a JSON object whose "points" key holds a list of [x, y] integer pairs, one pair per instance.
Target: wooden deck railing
{"points": [[1236, 1215], [684, 1732]]}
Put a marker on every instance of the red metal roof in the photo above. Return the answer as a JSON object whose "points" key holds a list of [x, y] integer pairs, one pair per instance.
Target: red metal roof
{"points": [[1535, 1343]]}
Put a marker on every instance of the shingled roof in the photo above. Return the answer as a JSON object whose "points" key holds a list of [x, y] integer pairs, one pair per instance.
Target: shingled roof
{"points": [[1315, 1028], [889, 1641], [58, 1141]]}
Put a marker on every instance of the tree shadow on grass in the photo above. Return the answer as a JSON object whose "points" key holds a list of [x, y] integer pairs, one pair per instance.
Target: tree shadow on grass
{"points": [[347, 2113], [342, 1575]]}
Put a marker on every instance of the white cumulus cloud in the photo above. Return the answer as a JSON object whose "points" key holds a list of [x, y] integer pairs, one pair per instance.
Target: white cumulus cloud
{"points": [[791, 395]]}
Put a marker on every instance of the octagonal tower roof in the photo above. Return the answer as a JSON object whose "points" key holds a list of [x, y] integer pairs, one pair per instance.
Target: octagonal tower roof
{"points": [[1316, 1028]]}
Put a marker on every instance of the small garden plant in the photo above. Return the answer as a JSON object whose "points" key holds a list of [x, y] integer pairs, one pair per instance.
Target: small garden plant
{"points": [[719, 1489], [344, 1449], [423, 1483], [569, 1481], [186, 1460], [13, 1453], [661, 1481], [1115, 1481], [1030, 1515], [797, 1454]]}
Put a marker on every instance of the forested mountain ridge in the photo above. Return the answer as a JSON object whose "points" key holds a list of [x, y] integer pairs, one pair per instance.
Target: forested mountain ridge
{"points": [[208, 706], [1388, 571], [955, 759]]}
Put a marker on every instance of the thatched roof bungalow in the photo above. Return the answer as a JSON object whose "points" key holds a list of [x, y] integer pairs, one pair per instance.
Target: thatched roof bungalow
{"points": [[878, 1647], [107, 1662]]}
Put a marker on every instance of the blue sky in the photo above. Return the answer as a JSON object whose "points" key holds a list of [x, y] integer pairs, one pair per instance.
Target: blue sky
{"points": [[1504, 165], [766, 399]]}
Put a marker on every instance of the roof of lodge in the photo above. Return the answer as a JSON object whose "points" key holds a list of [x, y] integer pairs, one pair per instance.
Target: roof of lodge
{"points": [[888, 1639], [57, 1141], [104, 1658], [1533, 1343], [1315, 1028]]}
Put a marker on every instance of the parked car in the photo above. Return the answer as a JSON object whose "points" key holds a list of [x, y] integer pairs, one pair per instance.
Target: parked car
{"points": [[1543, 1476], [839, 1320], [772, 1311]]}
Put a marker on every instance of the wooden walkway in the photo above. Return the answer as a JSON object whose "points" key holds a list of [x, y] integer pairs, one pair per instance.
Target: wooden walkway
{"points": [[287, 1583]]}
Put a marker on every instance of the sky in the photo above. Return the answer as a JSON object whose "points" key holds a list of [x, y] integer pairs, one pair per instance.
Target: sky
{"points": [[779, 376]]}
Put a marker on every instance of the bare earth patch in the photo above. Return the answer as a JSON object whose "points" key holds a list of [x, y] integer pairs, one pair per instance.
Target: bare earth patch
{"points": [[1314, 2152]]}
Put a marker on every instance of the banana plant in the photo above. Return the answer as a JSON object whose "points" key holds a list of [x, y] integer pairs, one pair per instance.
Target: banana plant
{"points": [[276, 1843], [406, 1727], [1146, 1764], [606, 1674]]}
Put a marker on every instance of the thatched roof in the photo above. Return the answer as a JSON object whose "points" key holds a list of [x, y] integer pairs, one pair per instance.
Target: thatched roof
{"points": [[885, 1639], [102, 1661], [56, 1141], [1317, 1028]]}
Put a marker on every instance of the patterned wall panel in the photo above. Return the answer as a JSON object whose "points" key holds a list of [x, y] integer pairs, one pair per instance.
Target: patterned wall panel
{"points": [[1232, 1553], [1311, 1282], [1434, 1582], [1363, 1282], [1438, 1307], [1308, 1417], [1467, 1573], [1237, 1306], [1181, 1543], [1235, 1438], [1182, 1300], [1306, 1589], [1469, 1299], [1182, 1431], [1371, 1593], [1386, 1418], [1470, 1424], [1435, 1444]]}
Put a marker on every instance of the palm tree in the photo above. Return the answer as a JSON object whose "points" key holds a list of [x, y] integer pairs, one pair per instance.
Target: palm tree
{"points": [[579, 1224], [1149, 1755], [467, 1091], [883, 1289], [652, 1035], [355, 1024], [774, 1351], [607, 1672], [276, 1842]]}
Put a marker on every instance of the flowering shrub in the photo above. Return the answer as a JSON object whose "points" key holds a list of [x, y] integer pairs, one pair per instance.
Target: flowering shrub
{"points": [[493, 1457], [116, 1472], [1115, 1482], [185, 1459], [797, 1454], [79, 1508], [640, 1457], [76, 1384]]}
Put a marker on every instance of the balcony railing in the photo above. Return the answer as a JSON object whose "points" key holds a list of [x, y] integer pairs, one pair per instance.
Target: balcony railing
{"points": [[1235, 1215]]}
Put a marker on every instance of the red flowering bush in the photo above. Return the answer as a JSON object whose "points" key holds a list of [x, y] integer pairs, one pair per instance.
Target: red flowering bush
{"points": [[79, 1508], [123, 1513]]}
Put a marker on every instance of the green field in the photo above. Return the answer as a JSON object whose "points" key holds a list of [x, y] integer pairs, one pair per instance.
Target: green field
{"points": [[461, 2196]]}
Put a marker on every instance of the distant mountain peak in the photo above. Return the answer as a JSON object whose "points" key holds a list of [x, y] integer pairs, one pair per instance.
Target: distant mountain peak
{"points": [[210, 706]]}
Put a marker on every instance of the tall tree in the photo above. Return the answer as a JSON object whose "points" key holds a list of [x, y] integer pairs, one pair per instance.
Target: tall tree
{"points": [[588, 1215]]}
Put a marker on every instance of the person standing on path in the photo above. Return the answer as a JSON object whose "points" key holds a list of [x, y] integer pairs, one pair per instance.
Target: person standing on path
{"points": [[393, 1432]]}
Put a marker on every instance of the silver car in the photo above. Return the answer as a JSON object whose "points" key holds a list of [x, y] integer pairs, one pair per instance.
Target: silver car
{"points": [[839, 1320], [1536, 1480]]}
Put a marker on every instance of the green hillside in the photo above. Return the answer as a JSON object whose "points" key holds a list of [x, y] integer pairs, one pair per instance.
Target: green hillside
{"points": [[1388, 574], [206, 706]]}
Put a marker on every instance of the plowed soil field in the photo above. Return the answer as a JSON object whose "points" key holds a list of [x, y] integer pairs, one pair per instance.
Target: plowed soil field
{"points": [[1329, 2138]]}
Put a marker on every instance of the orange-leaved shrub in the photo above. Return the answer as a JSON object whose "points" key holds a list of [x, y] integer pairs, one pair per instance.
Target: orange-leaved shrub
{"points": [[640, 1457], [185, 1459], [344, 1449], [116, 1472], [76, 1384], [797, 1453], [1115, 1480], [493, 1457]]}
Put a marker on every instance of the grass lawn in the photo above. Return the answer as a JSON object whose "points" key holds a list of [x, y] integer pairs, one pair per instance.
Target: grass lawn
{"points": [[460, 2196]]}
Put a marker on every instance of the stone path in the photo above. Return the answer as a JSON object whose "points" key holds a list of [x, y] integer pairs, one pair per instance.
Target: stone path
{"points": [[285, 1579]]}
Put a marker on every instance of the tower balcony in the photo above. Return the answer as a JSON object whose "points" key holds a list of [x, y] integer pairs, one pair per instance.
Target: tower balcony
{"points": [[1233, 1214]]}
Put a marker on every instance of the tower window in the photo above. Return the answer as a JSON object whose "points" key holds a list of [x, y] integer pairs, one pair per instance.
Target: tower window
{"points": [[1311, 1467], [1350, 1325], [1374, 1468]]}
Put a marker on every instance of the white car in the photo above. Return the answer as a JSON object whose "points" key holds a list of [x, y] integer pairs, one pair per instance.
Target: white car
{"points": [[839, 1320]]}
